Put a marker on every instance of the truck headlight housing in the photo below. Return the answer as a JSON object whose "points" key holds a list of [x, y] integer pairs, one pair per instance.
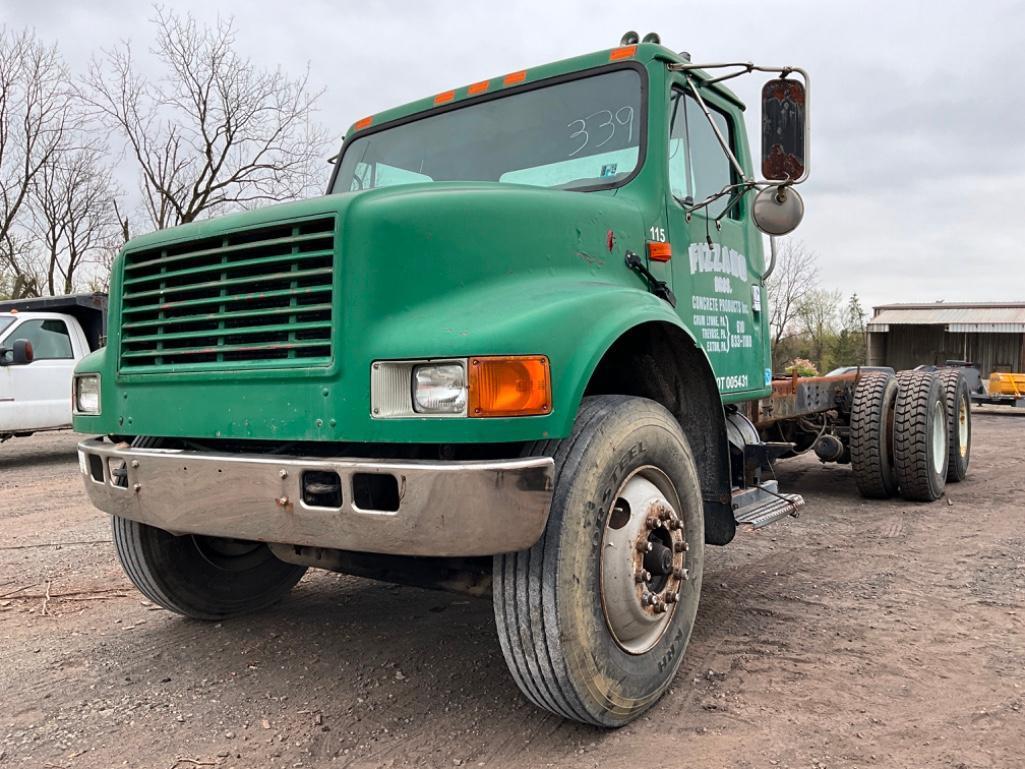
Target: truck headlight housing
{"points": [[439, 388], [484, 386], [87, 394]]}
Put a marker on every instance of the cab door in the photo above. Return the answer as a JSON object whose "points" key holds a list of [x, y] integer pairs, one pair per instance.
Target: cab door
{"points": [[717, 259], [37, 395]]}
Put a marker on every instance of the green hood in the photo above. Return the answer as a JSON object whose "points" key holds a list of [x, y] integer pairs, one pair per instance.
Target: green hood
{"points": [[418, 271]]}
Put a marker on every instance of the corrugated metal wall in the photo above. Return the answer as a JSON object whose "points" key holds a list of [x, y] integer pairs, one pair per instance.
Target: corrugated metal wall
{"points": [[905, 347]]}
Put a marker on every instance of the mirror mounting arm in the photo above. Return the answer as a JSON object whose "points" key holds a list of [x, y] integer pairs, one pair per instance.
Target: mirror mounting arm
{"points": [[744, 68], [718, 134]]}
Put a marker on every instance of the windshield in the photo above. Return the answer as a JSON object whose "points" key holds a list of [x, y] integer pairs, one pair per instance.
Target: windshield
{"points": [[575, 134]]}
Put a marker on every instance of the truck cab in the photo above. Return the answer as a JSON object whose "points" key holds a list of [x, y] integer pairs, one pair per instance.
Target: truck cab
{"points": [[519, 349], [35, 389]]}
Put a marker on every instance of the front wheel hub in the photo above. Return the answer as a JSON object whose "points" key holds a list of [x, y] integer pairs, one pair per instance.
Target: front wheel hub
{"points": [[643, 560]]}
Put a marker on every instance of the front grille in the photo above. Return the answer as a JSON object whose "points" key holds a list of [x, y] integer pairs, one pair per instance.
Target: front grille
{"points": [[257, 296]]}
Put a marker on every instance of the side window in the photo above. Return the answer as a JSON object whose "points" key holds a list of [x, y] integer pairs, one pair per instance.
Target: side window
{"points": [[49, 338], [698, 167]]}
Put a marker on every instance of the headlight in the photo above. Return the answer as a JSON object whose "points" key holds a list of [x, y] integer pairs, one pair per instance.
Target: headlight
{"points": [[87, 394], [446, 388], [439, 389]]}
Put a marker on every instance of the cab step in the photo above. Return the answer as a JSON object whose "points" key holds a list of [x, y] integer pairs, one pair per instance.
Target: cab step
{"points": [[760, 505]]}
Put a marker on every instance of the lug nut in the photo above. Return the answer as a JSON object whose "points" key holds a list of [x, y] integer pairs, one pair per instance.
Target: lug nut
{"points": [[644, 547], [680, 547], [647, 599], [672, 597], [680, 573], [652, 523], [675, 524], [642, 576]]}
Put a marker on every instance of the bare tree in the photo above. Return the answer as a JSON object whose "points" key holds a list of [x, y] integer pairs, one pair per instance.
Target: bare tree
{"points": [[819, 319], [35, 110], [850, 348], [795, 277], [215, 132], [73, 215], [19, 273]]}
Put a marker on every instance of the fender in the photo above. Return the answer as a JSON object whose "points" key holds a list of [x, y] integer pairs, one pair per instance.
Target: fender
{"points": [[661, 361]]}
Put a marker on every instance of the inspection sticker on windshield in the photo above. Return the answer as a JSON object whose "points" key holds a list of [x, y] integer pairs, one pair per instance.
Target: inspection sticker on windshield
{"points": [[609, 169]]}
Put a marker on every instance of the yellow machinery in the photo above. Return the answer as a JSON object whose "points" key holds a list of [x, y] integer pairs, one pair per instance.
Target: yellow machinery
{"points": [[1003, 383], [1002, 389]]}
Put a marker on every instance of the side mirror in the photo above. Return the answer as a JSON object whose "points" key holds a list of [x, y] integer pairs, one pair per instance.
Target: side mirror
{"points": [[784, 126], [21, 352], [777, 210]]}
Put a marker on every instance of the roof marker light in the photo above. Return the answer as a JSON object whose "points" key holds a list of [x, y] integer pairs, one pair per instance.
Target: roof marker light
{"points": [[364, 123], [624, 52], [515, 77], [477, 88], [445, 97]]}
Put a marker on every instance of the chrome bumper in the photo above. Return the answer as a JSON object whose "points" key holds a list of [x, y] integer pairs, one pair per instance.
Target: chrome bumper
{"points": [[444, 509]]}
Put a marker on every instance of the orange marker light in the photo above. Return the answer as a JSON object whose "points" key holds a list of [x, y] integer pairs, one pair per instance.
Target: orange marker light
{"points": [[509, 386], [441, 98], [659, 252], [624, 52], [364, 123], [515, 77], [477, 88]]}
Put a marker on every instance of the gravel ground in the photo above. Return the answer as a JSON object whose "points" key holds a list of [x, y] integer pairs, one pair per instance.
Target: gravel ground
{"points": [[862, 634]]}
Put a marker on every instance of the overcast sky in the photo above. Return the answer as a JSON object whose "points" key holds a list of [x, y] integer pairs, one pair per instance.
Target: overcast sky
{"points": [[918, 126]]}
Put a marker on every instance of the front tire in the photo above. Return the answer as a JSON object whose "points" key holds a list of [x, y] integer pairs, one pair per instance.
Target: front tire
{"points": [[594, 619], [201, 577]]}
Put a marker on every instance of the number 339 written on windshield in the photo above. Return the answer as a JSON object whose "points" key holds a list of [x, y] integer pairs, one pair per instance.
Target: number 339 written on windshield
{"points": [[598, 128]]}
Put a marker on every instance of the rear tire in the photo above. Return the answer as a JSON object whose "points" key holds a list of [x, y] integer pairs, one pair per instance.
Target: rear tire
{"points": [[920, 436], [201, 577], [959, 422], [871, 444], [585, 634]]}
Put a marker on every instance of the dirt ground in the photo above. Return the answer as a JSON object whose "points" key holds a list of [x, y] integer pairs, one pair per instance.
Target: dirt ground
{"points": [[862, 634]]}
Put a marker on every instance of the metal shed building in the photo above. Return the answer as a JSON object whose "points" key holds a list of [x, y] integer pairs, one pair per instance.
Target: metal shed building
{"points": [[991, 335]]}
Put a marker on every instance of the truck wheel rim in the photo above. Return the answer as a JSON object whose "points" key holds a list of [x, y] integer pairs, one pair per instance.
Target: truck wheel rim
{"points": [[939, 438], [643, 560], [962, 426]]}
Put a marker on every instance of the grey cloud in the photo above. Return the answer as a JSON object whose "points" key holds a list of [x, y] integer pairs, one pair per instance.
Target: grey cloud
{"points": [[918, 123]]}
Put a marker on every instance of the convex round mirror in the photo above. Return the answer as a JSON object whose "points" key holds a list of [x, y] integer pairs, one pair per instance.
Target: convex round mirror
{"points": [[777, 210]]}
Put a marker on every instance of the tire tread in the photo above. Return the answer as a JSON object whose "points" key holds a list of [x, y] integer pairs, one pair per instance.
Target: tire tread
{"points": [[911, 436], [525, 616], [953, 382], [872, 474]]}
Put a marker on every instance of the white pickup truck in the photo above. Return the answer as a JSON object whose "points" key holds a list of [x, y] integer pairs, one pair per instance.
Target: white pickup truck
{"points": [[40, 342]]}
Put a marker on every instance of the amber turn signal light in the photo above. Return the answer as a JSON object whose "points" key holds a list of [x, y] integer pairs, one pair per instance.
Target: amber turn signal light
{"points": [[509, 386], [659, 252]]}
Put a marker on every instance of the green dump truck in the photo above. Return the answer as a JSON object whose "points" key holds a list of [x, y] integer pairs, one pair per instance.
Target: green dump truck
{"points": [[520, 349]]}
